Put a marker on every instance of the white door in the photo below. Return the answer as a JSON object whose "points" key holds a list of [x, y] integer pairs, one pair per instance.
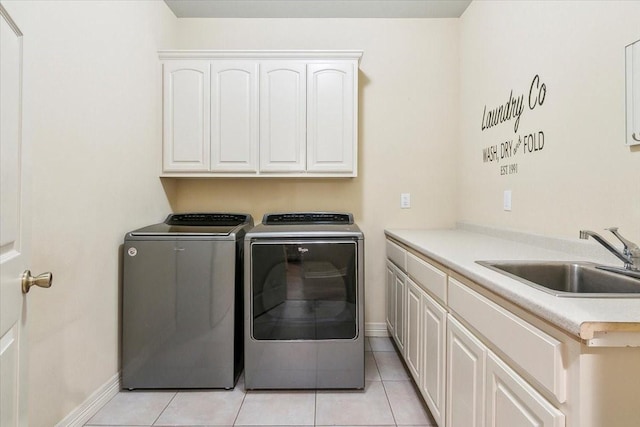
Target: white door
{"points": [[12, 244], [14, 229]]}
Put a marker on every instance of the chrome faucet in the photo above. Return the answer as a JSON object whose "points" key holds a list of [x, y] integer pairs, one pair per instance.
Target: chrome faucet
{"points": [[630, 254]]}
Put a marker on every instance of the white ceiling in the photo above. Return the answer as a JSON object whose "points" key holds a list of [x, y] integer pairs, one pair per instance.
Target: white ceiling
{"points": [[318, 8]]}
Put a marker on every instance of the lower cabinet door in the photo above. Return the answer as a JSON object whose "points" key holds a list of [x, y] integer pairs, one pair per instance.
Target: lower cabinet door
{"points": [[391, 305], [400, 289], [512, 402], [466, 359], [433, 332], [414, 329]]}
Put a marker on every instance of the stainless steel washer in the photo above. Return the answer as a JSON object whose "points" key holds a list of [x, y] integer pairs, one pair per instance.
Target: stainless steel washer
{"points": [[304, 302], [182, 302]]}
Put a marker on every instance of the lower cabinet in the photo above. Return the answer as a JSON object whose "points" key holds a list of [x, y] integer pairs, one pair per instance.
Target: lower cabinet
{"points": [[462, 381], [432, 344], [396, 288], [510, 401], [425, 347], [390, 303], [466, 359], [415, 333]]}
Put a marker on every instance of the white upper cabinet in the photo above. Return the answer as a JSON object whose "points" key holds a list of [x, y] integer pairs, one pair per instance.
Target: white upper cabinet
{"points": [[186, 116], [633, 93], [331, 138], [234, 116], [283, 102], [260, 113]]}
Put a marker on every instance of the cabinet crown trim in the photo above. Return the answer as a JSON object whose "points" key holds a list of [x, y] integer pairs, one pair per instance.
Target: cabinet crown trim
{"points": [[261, 54]]}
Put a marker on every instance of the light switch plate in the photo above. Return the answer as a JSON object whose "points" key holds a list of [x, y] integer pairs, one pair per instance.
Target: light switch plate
{"points": [[507, 200], [405, 200]]}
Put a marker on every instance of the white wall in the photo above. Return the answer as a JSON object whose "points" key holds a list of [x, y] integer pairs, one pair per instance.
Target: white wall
{"points": [[92, 115], [584, 177], [407, 128]]}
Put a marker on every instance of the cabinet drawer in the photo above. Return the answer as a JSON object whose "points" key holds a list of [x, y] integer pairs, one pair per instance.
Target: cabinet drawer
{"points": [[538, 354], [428, 277], [397, 255]]}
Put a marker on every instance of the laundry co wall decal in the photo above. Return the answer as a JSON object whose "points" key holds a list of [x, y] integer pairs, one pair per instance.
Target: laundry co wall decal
{"points": [[512, 111]]}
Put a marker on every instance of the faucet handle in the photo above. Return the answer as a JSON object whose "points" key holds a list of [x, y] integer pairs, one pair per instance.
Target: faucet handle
{"points": [[629, 246]]}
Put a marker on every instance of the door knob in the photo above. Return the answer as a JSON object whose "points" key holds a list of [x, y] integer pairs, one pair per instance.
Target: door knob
{"points": [[42, 280]]}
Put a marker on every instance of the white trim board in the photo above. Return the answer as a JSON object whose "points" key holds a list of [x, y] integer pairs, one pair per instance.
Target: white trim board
{"points": [[376, 329], [87, 409]]}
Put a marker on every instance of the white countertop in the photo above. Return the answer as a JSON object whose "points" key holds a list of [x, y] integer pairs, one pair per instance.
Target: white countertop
{"points": [[459, 249]]}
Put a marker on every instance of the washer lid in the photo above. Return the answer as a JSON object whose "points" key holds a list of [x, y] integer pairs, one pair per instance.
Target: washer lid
{"points": [[197, 224]]}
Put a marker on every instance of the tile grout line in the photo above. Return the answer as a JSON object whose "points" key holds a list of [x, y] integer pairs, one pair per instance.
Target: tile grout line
{"points": [[395, 421], [244, 396], [315, 408], [165, 408]]}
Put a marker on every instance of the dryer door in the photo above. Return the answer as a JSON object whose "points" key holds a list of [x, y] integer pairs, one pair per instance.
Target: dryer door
{"points": [[304, 289]]}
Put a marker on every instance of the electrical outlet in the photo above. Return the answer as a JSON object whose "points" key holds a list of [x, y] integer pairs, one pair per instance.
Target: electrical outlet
{"points": [[405, 200], [507, 200]]}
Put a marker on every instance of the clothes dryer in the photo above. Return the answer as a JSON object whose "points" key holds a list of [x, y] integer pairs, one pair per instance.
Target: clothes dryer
{"points": [[304, 302]]}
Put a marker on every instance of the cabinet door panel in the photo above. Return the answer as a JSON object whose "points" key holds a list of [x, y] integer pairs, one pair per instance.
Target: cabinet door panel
{"points": [[414, 328], [633, 93], [234, 116], [186, 116], [331, 135], [282, 116], [513, 402], [433, 350], [400, 289], [466, 359], [391, 294]]}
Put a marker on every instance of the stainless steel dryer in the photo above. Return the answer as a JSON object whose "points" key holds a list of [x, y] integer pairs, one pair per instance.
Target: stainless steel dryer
{"points": [[304, 302], [182, 302]]}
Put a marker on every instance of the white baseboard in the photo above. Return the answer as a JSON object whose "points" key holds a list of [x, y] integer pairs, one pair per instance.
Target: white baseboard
{"points": [[87, 409], [376, 329]]}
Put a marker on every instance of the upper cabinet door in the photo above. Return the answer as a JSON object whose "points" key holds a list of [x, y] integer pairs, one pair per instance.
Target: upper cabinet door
{"points": [[331, 132], [282, 116], [234, 116], [633, 93], [186, 115]]}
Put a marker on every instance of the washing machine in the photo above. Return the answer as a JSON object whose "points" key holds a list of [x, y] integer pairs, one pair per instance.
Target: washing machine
{"points": [[182, 305], [304, 302]]}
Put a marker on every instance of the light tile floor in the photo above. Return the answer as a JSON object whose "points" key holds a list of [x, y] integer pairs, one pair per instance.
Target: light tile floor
{"points": [[390, 398]]}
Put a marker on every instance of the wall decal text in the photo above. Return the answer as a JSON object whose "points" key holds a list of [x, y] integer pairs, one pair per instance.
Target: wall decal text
{"points": [[523, 144]]}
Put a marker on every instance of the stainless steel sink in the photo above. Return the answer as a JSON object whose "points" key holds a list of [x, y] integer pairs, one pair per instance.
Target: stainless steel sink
{"points": [[569, 279]]}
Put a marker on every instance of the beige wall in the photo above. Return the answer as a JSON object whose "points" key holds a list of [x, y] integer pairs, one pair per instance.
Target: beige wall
{"points": [[92, 117], [407, 128], [584, 177]]}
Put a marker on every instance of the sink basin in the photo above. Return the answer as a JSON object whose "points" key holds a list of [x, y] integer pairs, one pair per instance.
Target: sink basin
{"points": [[568, 279]]}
